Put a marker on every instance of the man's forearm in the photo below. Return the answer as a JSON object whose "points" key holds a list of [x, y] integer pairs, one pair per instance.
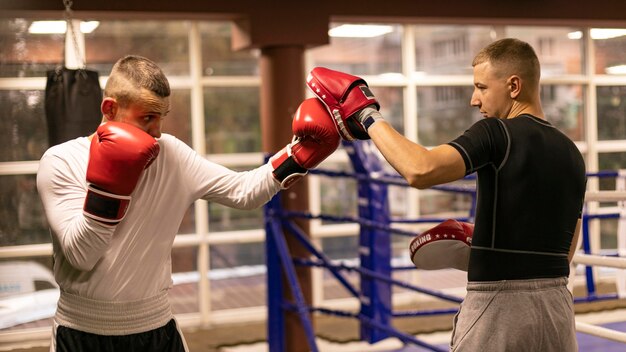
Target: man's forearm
{"points": [[422, 168]]}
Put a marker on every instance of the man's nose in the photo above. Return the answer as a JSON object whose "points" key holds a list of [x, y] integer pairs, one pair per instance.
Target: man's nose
{"points": [[155, 130], [474, 101]]}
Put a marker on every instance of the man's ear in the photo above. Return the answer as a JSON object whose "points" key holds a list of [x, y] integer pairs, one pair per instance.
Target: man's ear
{"points": [[109, 108], [515, 86]]}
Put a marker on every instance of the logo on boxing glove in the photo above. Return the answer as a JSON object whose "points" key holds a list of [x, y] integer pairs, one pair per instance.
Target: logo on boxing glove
{"points": [[418, 241], [446, 245]]}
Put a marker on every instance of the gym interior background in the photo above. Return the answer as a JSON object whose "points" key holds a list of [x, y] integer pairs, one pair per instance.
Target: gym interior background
{"points": [[416, 56]]}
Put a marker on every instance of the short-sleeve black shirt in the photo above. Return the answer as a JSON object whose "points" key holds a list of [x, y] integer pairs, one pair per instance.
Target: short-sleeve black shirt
{"points": [[531, 186]]}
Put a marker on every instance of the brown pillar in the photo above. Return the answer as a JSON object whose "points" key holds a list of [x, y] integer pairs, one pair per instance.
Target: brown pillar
{"points": [[282, 91]]}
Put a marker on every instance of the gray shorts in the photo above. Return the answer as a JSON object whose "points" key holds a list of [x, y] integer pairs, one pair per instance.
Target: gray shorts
{"points": [[517, 315]]}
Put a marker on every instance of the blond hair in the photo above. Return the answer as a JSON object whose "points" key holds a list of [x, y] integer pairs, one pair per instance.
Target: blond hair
{"points": [[511, 56], [133, 73]]}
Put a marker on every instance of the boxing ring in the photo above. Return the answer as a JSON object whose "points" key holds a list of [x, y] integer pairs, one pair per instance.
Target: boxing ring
{"points": [[374, 268]]}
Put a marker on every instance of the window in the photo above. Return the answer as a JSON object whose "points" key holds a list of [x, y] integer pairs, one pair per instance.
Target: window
{"points": [[424, 92], [612, 113]]}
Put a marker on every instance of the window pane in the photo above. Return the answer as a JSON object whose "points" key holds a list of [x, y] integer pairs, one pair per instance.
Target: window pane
{"points": [[224, 256], [564, 108], [558, 48], [344, 247], [22, 218], [609, 45], [237, 275], [608, 227], [232, 120], [608, 235], [164, 42], [222, 218], [610, 161], [448, 50], [23, 127], [444, 113], [362, 56], [23, 54], [391, 105], [611, 113], [218, 59], [338, 194], [336, 248]]}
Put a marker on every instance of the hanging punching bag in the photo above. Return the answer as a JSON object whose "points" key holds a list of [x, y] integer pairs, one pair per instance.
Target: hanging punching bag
{"points": [[72, 103]]}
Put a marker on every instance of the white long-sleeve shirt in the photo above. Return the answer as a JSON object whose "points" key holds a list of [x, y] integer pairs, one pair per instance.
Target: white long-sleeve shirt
{"points": [[132, 261]]}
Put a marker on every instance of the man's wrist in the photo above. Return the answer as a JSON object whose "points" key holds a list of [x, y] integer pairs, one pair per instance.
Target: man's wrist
{"points": [[285, 168], [104, 206], [369, 116]]}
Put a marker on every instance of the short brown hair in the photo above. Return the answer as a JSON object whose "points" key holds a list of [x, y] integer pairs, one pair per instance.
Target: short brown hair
{"points": [[511, 56], [132, 73]]}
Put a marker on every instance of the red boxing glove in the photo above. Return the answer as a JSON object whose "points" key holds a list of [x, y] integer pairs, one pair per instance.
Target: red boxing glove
{"points": [[315, 138], [345, 96], [118, 155], [446, 245]]}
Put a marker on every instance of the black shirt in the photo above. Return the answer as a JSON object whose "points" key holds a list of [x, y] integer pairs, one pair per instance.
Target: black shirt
{"points": [[531, 186]]}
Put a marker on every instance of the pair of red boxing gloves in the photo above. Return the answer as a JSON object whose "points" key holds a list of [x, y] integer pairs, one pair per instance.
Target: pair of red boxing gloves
{"points": [[320, 123]]}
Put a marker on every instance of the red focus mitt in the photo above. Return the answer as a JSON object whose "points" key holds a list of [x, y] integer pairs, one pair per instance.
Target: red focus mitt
{"points": [[346, 97], [446, 245]]}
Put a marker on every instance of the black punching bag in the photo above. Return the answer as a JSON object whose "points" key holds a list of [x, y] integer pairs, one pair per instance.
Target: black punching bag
{"points": [[72, 103]]}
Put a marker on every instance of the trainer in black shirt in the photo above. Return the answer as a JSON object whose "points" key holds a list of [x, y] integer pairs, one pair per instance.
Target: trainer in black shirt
{"points": [[531, 186]]}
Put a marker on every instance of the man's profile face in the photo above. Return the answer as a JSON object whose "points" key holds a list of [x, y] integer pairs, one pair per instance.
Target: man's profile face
{"points": [[491, 92], [146, 112]]}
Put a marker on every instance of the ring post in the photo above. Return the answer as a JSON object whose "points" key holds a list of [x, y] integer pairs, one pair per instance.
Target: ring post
{"points": [[374, 244], [275, 298], [280, 262]]}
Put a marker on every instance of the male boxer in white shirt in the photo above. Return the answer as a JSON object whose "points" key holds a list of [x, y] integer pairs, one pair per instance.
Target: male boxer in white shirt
{"points": [[115, 200]]}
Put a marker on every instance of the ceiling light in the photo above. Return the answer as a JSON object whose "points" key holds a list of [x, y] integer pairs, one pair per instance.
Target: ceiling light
{"points": [[616, 70], [59, 27], [607, 33], [88, 26], [575, 35], [43, 27], [599, 33], [359, 30]]}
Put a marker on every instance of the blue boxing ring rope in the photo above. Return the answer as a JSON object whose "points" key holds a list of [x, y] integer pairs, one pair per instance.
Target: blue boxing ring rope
{"points": [[374, 268]]}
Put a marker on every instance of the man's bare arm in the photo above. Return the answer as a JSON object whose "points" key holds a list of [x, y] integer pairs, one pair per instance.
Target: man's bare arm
{"points": [[422, 168]]}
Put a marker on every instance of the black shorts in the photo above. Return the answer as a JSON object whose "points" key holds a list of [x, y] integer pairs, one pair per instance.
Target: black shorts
{"points": [[164, 339]]}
